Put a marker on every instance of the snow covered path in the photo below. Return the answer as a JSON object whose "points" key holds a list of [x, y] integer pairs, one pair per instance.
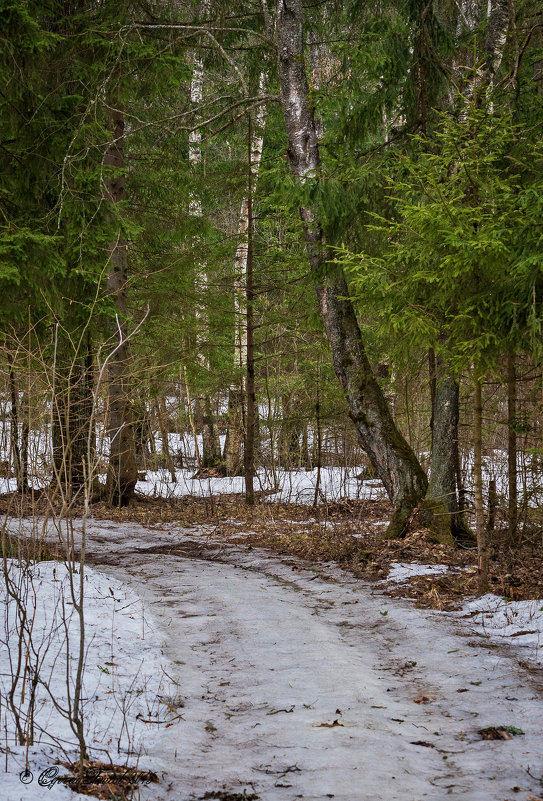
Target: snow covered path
{"points": [[298, 686]]}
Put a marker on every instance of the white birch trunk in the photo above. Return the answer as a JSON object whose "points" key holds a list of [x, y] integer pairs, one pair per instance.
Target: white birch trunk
{"points": [[240, 259], [210, 439]]}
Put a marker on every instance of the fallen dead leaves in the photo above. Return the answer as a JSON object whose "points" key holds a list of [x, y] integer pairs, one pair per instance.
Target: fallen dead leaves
{"points": [[106, 781], [499, 732]]}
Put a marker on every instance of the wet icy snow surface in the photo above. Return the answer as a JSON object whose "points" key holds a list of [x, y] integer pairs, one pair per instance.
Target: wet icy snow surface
{"points": [[266, 652]]}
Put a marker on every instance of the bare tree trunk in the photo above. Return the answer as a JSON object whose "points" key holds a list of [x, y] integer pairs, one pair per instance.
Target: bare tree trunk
{"points": [[440, 505], [305, 459], [250, 377], [162, 424], [459, 479], [14, 429], [482, 538], [191, 418], [440, 510], [72, 411], [25, 436], [122, 470], [235, 438], [233, 446], [432, 378], [211, 451], [319, 437], [392, 457], [512, 507]]}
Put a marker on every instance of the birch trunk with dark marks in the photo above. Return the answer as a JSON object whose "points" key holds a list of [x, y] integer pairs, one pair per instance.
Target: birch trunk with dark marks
{"points": [[122, 469], [392, 457]]}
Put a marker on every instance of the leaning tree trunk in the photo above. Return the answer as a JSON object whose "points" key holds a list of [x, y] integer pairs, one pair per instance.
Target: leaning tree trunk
{"points": [[122, 469], [392, 457]]}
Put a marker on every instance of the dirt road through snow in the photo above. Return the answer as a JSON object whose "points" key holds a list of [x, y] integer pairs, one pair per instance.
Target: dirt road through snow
{"points": [[298, 686]]}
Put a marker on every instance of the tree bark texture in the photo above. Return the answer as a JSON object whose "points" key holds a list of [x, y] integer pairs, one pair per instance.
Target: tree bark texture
{"points": [[249, 450], [72, 413], [233, 446], [512, 507], [440, 507], [392, 457], [235, 437], [122, 469], [211, 451], [482, 538], [162, 417], [19, 466], [289, 434]]}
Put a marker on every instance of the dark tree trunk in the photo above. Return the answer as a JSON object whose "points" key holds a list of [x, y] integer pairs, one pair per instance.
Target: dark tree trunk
{"points": [[25, 437], [392, 457], [432, 378], [142, 433], [72, 413], [440, 510], [162, 418], [289, 434], [482, 537], [249, 450], [512, 507], [19, 467], [233, 446], [211, 450], [122, 470]]}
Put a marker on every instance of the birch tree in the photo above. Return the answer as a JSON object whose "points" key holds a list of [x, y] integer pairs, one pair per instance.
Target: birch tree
{"points": [[234, 439], [211, 455]]}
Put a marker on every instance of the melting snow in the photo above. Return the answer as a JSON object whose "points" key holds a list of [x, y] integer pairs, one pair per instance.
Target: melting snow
{"points": [[403, 571]]}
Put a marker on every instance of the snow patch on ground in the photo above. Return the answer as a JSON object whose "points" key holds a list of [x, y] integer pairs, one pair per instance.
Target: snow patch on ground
{"points": [[518, 623], [125, 690], [287, 486], [303, 681], [401, 572]]}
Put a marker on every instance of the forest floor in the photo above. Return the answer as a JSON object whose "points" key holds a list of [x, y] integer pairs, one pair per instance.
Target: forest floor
{"points": [[300, 675]]}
